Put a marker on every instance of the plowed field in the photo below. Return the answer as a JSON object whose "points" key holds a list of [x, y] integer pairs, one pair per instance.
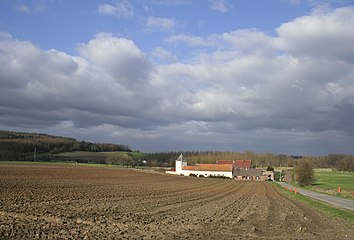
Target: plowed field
{"points": [[75, 202]]}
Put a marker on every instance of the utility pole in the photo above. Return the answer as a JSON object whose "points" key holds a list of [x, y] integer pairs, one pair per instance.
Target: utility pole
{"points": [[34, 155]]}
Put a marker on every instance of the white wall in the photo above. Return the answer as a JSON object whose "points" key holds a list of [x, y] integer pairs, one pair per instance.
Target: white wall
{"points": [[206, 173], [180, 165]]}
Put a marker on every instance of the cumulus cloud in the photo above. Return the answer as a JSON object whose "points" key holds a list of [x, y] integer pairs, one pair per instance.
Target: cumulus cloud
{"points": [[118, 57], [327, 35], [120, 8], [292, 92]]}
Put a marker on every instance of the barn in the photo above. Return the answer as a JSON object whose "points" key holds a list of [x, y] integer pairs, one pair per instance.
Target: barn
{"points": [[238, 169]]}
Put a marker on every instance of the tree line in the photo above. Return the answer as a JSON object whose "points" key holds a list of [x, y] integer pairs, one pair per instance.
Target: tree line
{"points": [[20, 146], [342, 162]]}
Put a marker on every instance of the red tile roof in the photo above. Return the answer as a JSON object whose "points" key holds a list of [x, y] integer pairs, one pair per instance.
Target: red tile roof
{"points": [[243, 164], [210, 167]]}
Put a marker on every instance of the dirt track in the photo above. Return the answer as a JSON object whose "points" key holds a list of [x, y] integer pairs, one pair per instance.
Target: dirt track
{"points": [[102, 203]]}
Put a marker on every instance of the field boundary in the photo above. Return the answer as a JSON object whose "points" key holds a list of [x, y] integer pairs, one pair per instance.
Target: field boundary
{"points": [[340, 202], [323, 206]]}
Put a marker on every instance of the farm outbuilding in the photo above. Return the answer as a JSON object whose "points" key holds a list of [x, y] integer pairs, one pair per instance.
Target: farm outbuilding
{"points": [[253, 174], [250, 174], [287, 176]]}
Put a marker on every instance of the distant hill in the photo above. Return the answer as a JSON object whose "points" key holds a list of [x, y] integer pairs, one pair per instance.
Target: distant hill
{"points": [[22, 146]]}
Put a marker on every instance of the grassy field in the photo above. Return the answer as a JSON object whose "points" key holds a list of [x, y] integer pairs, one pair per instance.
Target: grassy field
{"points": [[328, 182]]}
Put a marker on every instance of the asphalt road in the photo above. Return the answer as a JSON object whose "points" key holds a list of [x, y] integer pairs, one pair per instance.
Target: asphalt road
{"points": [[340, 202]]}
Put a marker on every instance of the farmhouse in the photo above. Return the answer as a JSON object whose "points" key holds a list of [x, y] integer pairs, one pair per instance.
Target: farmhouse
{"points": [[238, 169]]}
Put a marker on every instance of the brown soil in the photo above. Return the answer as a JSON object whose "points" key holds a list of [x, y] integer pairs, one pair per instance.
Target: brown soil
{"points": [[46, 201]]}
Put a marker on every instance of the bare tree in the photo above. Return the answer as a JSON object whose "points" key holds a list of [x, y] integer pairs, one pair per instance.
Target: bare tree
{"points": [[304, 173]]}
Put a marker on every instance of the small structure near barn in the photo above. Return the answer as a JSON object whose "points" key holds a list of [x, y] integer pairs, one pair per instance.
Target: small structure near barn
{"points": [[268, 175], [287, 176]]}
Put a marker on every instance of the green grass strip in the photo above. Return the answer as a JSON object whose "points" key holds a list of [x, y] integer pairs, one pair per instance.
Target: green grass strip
{"points": [[323, 207]]}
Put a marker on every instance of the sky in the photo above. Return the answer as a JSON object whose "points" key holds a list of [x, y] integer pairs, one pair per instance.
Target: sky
{"points": [[269, 76]]}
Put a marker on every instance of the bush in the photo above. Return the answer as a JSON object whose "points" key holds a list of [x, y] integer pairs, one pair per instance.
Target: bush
{"points": [[193, 175], [270, 168]]}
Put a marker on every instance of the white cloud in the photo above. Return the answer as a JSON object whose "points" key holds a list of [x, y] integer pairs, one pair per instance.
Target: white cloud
{"points": [[120, 8], [160, 24], [325, 35], [218, 5], [118, 57]]}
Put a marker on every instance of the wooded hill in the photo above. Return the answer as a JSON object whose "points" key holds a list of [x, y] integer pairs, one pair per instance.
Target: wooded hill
{"points": [[20, 146]]}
